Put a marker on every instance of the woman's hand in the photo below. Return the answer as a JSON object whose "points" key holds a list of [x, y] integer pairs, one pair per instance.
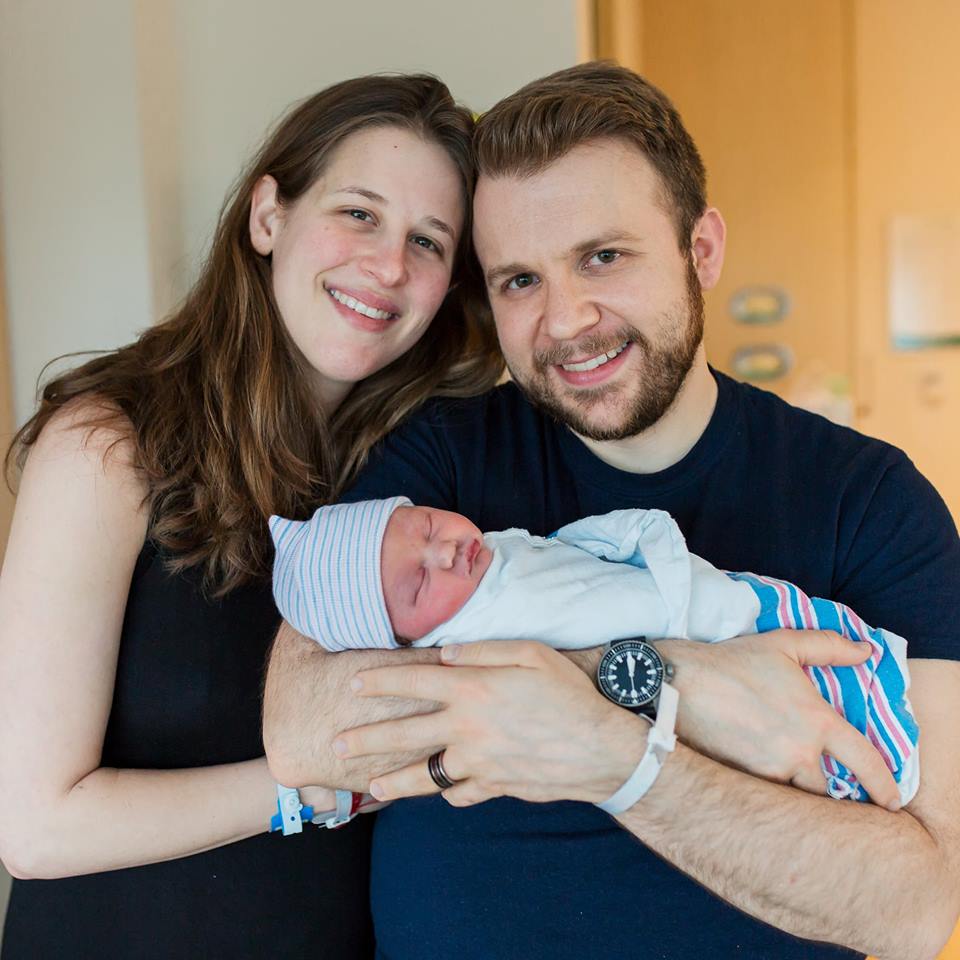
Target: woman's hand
{"points": [[519, 719]]}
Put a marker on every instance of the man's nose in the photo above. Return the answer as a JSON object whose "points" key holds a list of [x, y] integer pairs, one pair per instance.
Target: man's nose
{"points": [[386, 261], [568, 311]]}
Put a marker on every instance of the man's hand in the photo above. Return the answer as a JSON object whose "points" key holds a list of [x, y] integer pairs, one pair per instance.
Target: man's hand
{"points": [[307, 699], [519, 719], [535, 728], [748, 703]]}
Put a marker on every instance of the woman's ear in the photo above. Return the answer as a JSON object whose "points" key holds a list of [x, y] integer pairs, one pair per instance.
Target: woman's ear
{"points": [[265, 215], [707, 245]]}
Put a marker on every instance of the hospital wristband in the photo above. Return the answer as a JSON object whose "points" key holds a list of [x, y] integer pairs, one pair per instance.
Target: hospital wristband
{"points": [[661, 741], [292, 813]]}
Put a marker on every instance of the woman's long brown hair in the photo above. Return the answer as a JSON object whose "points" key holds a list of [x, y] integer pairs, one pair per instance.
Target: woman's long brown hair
{"points": [[215, 399]]}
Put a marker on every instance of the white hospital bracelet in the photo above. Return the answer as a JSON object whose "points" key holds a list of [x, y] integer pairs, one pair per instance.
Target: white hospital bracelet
{"points": [[660, 742]]}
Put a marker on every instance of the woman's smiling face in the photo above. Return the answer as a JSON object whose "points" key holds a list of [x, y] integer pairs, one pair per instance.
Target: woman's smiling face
{"points": [[362, 261]]}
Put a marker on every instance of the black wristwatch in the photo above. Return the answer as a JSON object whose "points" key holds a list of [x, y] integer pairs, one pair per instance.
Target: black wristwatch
{"points": [[631, 673]]}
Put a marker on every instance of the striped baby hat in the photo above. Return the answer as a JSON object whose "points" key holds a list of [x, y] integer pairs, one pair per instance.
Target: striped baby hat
{"points": [[326, 574]]}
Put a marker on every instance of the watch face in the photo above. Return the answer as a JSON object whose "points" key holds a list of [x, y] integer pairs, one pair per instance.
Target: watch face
{"points": [[630, 673]]}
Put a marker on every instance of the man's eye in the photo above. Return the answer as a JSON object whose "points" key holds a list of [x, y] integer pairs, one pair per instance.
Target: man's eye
{"points": [[521, 281], [604, 256]]}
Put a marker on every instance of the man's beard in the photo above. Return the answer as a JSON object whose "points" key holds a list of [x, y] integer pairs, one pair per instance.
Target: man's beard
{"points": [[663, 373]]}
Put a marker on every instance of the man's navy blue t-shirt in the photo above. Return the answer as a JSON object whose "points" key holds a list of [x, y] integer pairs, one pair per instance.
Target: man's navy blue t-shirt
{"points": [[767, 488]]}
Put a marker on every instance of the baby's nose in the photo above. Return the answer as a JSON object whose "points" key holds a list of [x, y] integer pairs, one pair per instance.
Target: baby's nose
{"points": [[445, 554]]}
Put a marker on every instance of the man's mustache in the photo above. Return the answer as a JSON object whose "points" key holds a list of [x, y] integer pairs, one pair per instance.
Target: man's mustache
{"points": [[591, 346]]}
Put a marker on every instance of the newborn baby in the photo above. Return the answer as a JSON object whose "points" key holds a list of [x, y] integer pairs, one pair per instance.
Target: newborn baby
{"points": [[384, 573]]}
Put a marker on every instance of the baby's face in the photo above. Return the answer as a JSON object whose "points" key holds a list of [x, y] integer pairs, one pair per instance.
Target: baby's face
{"points": [[430, 564]]}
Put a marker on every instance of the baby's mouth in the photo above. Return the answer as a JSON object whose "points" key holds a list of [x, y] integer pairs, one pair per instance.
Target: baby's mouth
{"points": [[471, 554]]}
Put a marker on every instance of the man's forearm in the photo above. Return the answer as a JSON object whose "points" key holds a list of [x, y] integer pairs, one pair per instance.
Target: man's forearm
{"points": [[308, 700], [822, 869]]}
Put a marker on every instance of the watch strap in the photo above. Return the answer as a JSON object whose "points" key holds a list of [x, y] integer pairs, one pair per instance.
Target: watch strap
{"points": [[661, 741]]}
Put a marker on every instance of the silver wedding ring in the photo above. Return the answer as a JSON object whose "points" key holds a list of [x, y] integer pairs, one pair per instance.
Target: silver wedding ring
{"points": [[437, 774]]}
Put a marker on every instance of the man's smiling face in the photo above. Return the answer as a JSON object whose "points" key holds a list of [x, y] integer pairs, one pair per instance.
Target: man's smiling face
{"points": [[599, 312]]}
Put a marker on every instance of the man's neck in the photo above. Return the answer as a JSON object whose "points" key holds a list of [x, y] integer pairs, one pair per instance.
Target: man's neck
{"points": [[674, 435]]}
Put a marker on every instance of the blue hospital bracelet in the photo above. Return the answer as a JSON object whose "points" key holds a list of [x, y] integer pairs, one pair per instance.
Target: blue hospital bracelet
{"points": [[292, 814], [290, 811]]}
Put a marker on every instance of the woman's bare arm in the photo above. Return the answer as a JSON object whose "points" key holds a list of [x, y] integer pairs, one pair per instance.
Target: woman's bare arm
{"points": [[78, 527]]}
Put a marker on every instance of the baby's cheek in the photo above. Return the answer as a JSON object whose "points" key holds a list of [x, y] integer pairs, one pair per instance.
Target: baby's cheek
{"points": [[449, 599]]}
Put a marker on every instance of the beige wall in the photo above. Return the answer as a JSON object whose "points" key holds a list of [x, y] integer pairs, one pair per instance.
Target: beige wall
{"points": [[123, 123], [74, 229], [6, 414]]}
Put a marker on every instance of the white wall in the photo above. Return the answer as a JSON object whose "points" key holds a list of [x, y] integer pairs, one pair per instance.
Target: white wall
{"points": [[122, 124]]}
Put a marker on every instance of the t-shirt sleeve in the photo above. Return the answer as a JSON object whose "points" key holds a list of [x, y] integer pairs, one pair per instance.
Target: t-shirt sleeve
{"points": [[414, 461], [898, 561]]}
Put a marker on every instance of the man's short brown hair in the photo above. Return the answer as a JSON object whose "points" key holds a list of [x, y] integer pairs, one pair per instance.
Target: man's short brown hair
{"points": [[547, 118]]}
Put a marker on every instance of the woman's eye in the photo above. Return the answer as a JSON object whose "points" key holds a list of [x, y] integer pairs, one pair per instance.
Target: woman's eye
{"points": [[360, 215], [427, 244], [521, 281], [604, 256]]}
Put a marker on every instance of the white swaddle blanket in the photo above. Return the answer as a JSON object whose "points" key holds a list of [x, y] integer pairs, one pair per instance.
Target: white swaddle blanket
{"points": [[553, 589]]}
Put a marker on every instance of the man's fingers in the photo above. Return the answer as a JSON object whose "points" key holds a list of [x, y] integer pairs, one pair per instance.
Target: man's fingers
{"points": [[855, 752], [824, 648], [415, 781], [419, 681], [495, 653], [412, 781], [465, 794], [406, 735], [811, 780]]}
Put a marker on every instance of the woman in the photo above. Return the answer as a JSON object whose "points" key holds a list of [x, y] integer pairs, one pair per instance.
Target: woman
{"points": [[135, 607]]}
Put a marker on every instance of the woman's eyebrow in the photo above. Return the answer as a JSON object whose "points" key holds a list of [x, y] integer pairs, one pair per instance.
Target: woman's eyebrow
{"points": [[363, 192], [375, 197]]}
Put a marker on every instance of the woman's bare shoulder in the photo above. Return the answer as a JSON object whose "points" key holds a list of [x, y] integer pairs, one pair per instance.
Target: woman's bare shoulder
{"points": [[91, 429], [86, 448]]}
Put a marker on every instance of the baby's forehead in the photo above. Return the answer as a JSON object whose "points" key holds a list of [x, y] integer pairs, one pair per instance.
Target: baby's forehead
{"points": [[405, 515]]}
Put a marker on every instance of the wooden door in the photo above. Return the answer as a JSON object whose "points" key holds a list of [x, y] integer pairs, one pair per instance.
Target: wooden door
{"points": [[762, 87], [908, 153], [820, 123]]}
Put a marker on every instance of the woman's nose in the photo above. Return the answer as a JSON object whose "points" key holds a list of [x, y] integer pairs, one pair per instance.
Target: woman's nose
{"points": [[386, 262]]}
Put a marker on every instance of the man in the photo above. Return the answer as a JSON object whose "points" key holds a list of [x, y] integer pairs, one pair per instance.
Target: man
{"points": [[596, 241]]}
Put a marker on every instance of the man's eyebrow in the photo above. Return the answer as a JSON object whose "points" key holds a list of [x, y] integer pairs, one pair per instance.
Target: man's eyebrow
{"points": [[434, 222], [599, 242]]}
